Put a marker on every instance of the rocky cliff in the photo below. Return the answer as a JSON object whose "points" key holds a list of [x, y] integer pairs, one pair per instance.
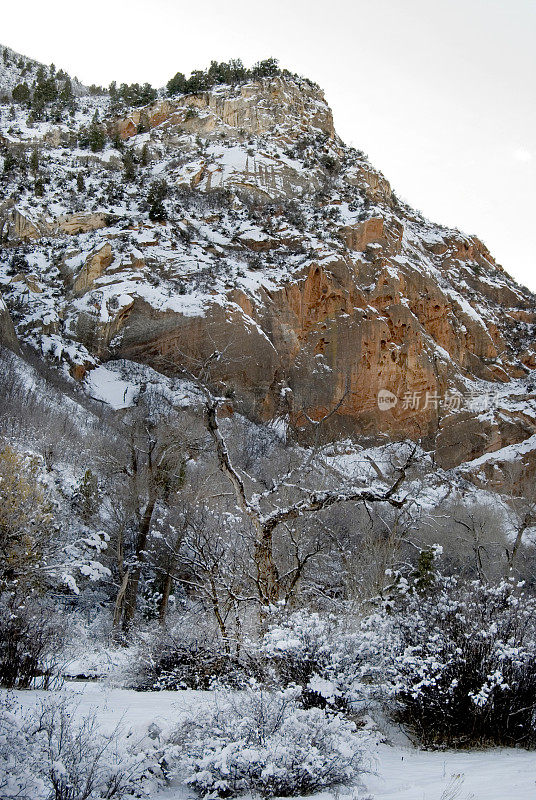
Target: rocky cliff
{"points": [[236, 220]]}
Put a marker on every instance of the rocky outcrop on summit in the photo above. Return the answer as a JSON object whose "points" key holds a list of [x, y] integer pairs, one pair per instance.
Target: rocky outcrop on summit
{"points": [[286, 251], [16, 68], [256, 108]]}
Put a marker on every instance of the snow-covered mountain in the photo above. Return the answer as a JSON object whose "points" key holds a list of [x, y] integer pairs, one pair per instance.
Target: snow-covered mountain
{"points": [[235, 219]]}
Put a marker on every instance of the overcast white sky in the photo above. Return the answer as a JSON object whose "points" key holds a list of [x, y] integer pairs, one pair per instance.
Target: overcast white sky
{"points": [[439, 93]]}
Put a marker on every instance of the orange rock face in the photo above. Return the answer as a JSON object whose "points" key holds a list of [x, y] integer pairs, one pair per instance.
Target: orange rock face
{"points": [[341, 336], [357, 237]]}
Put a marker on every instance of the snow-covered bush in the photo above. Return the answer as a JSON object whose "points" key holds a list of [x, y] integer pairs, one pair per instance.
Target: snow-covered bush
{"points": [[188, 655], [88, 651], [29, 643], [49, 755], [265, 742], [457, 662], [299, 646], [317, 652], [17, 777], [186, 665]]}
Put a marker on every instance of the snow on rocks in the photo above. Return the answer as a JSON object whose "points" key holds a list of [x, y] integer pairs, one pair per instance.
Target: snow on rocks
{"points": [[104, 384]]}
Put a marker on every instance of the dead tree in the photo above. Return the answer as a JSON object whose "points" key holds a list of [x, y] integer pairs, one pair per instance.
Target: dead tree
{"points": [[270, 585], [268, 581]]}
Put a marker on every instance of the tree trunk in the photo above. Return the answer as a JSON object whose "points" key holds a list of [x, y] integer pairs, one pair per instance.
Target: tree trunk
{"points": [[131, 593], [268, 584], [118, 609], [168, 583]]}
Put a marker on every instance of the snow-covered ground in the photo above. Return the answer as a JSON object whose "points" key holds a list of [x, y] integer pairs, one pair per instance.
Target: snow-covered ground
{"points": [[410, 774], [401, 771], [133, 711]]}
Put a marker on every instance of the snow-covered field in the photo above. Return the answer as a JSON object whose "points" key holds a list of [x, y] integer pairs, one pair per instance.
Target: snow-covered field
{"points": [[496, 774], [400, 770]]}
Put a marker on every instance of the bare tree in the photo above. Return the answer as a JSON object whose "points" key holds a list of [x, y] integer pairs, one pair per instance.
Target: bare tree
{"points": [[215, 562], [472, 535], [151, 476], [280, 506], [366, 549], [268, 510]]}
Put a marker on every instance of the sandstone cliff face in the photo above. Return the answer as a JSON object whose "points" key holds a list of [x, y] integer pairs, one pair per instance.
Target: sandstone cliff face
{"points": [[286, 251], [322, 338]]}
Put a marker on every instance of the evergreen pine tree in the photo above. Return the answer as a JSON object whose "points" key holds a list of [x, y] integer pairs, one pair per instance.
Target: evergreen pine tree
{"points": [[96, 136], [10, 162], [155, 199], [66, 94], [129, 166], [145, 155], [87, 494], [34, 161], [177, 84], [21, 94], [265, 69]]}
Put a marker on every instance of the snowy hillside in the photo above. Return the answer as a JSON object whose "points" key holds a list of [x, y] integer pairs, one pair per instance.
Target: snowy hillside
{"points": [[16, 69]]}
